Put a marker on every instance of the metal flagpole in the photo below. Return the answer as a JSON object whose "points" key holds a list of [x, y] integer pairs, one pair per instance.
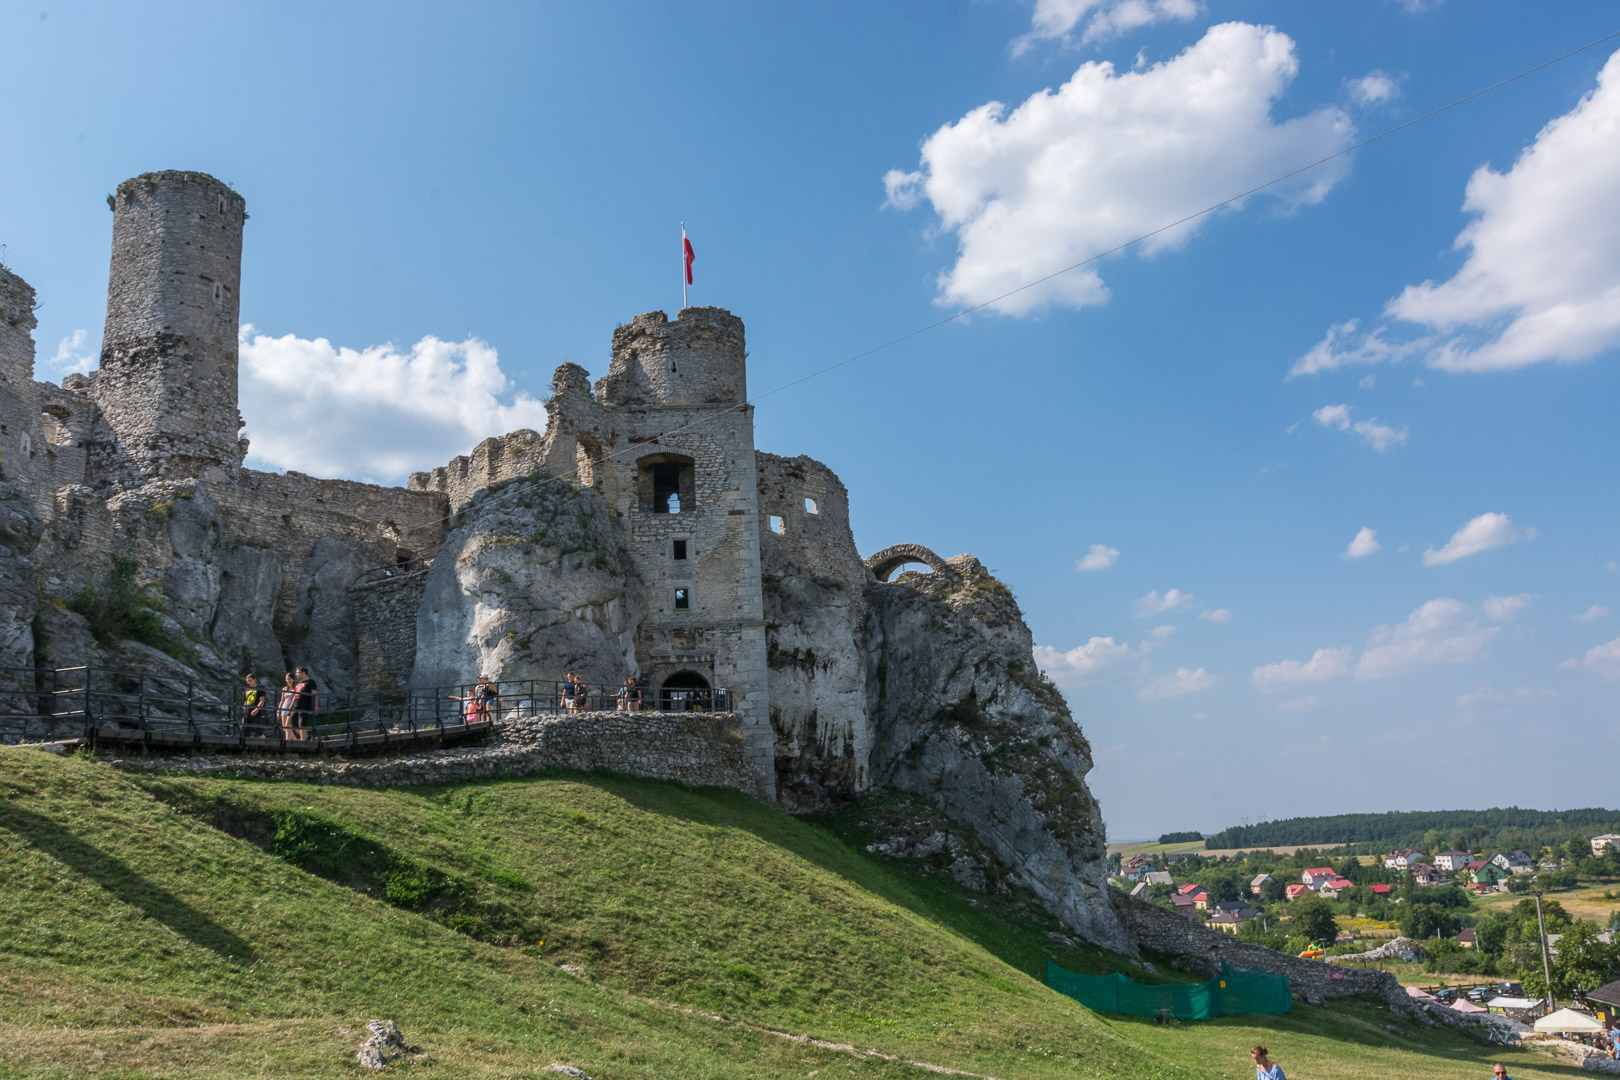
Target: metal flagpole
{"points": [[683, 266]]}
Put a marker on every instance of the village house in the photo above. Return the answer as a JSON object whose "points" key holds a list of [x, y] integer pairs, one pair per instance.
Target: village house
{"points": [[1158, 877], [1295, 891], [1605, 1001], [1606, 842], [1514, 862], [1428, 874], [1232, 915], [1315, 877], [1481, 872], [1466, 937], [1380, 889], [1402, 860], [1258, 885], [1452, 861]]}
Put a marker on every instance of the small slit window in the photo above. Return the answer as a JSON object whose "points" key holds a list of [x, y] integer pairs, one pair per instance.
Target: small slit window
{"points": [[778, 526], [222, 204], [811, 506], [680, 549], [683, 599], [219, 292]]}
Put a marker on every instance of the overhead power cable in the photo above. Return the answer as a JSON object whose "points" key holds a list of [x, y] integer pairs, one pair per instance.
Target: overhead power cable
{"points": [[1116, 249]]}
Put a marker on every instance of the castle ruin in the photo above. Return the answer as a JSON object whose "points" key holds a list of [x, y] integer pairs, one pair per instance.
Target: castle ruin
{"points": [[642, 534]]}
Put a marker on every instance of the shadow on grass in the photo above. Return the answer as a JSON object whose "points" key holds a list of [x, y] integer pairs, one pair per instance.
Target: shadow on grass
{"points": [[995, 924], [56, 842]]}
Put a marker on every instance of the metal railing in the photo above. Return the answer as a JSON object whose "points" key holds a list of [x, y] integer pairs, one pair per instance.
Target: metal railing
{"points": [[110, 705]]}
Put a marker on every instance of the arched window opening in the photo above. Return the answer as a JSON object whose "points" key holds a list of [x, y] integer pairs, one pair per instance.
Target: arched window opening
{"points": [[685, 691], [811, 506], [778, 526], [666, 484]]}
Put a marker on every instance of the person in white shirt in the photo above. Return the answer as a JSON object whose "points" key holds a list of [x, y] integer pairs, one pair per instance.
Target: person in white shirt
{"points": [[1264, 1067]]}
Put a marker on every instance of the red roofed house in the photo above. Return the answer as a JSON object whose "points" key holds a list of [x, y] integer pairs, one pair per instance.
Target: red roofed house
{"points": [[1379, 889], [1294, 892], [1315, 876]]}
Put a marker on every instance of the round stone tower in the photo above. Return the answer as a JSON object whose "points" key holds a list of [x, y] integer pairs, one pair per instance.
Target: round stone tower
{"points": [[167, 384], [696, 360]]}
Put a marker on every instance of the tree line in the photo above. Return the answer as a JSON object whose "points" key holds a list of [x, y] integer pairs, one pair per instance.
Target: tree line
{"points": [[1502, 828]]}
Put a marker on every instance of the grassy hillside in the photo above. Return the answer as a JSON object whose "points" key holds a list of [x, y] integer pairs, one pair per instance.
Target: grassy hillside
{"points": [[206, 928]]}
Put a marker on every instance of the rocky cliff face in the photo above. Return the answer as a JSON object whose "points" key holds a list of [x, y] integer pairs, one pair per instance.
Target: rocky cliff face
{"points": [[20, 530], [532, 582], [961, 716]]}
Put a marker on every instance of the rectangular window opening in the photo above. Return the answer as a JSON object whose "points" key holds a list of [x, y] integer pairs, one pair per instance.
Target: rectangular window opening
{"points": [[810, 506], [680, 549], [778, 526], [683, 599]]}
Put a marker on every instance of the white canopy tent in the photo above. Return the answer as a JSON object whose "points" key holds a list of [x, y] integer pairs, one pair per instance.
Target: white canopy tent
{"points": [[1569, 1022]]}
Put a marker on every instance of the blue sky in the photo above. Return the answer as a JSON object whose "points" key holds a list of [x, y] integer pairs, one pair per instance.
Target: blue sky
{"points": [[447, 201]]}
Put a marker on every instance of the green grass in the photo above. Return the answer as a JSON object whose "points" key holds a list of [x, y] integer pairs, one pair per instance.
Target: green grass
{"points": [[152, 930]]}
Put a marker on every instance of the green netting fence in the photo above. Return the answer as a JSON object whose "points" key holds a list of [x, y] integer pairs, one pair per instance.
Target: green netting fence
{"points": [[1236, 991]]}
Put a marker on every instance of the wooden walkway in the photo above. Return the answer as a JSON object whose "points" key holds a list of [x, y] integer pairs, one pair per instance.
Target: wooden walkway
{"points": [[223, 740]]}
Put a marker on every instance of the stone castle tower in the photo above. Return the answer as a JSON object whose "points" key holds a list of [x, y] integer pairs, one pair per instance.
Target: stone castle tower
{"points": [[21, 445], [167, 385]]}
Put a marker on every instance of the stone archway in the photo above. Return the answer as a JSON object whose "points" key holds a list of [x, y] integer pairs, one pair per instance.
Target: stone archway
{"points": [[890, 559]]}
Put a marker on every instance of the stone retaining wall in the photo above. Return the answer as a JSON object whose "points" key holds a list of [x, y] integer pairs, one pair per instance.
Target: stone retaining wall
{"points": [[1194, 947], [699, 749]]}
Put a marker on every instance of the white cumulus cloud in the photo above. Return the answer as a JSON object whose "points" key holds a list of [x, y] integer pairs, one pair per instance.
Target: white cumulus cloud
{"points": [[1593, 613], [1100, 557], [375, 413], [1443, 631], [1480, 534], [1324, 664], [1364, 543], [1602, 660], [1178, 683], [1109, 156], [1503, 608], [1374, 88], [1541, 281], [1091, 662], [1156, 603], [1378, 436], [1103, 18]]}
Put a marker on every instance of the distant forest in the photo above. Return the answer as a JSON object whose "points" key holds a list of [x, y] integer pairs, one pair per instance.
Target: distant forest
{"points": [[1426, 830]]}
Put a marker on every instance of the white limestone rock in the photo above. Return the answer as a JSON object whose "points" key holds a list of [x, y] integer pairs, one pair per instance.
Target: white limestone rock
{"points": [[961, 716], [532, 583]]}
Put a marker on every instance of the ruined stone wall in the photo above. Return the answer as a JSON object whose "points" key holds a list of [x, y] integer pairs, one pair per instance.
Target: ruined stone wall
{"points": [[1194, 947], [493, 461], [698, 749], [385, 628], [290, 513], [815, 612], [22, 450], [167, 384]]}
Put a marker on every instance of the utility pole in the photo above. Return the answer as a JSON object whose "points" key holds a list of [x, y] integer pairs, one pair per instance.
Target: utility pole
{"points": [[1546, 963]]}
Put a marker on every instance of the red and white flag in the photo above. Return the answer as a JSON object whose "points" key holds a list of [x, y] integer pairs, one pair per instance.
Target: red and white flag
{"points": [[687, 253]]}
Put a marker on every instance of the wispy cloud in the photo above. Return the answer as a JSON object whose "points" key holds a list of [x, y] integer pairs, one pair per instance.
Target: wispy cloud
{"points": [[1100, 557], [1178, 683], [1156, 603], [1378, 436], [1593, 613], [1364, 543], [1482, 533], [1324, 665]]}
